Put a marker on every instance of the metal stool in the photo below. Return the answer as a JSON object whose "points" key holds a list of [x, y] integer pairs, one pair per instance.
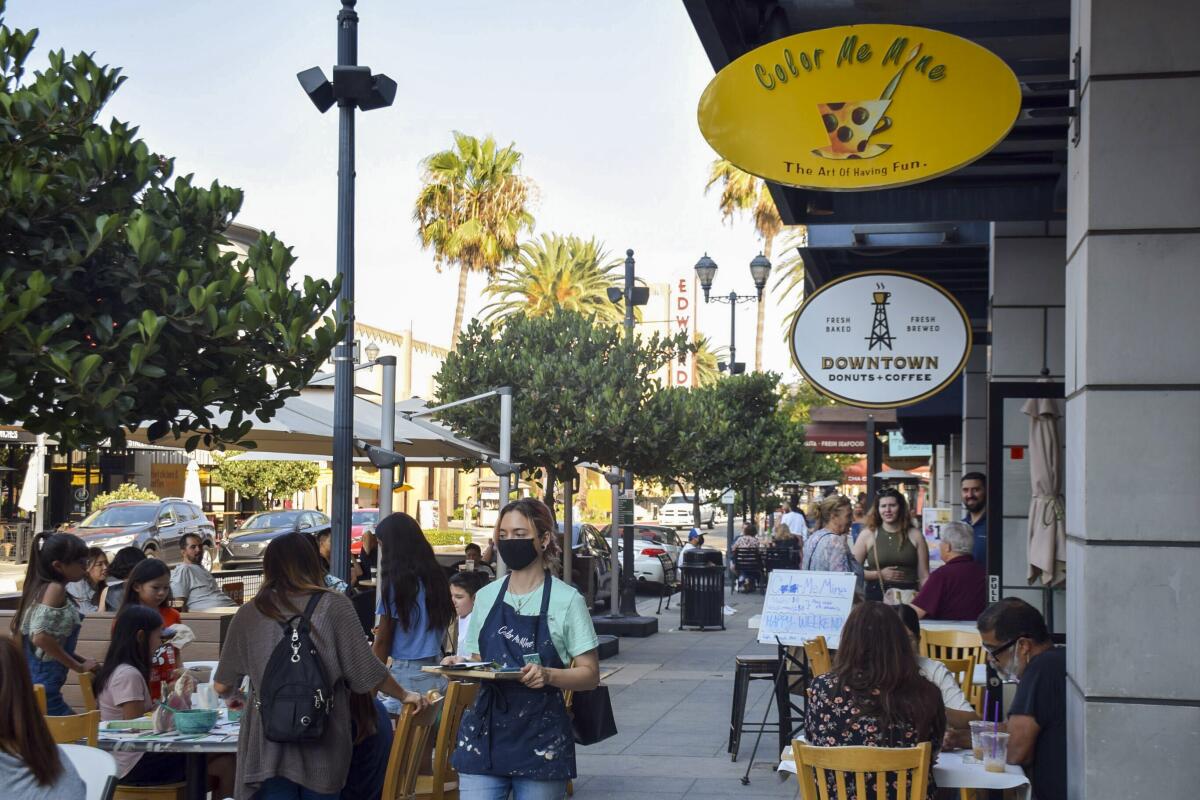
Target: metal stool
{"points": [[749, 668]]}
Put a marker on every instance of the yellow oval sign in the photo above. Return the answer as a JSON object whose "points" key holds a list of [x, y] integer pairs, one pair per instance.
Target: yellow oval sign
{"points": [[860, 107]]}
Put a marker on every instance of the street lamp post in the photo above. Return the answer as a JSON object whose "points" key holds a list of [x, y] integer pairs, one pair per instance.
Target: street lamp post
{"points": [[706, 270], [352, 87]]}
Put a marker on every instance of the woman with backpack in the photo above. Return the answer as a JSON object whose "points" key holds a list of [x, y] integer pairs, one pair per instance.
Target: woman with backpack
{"points": [[47, 619], [414, 605], [302, 647], [517, 737]]}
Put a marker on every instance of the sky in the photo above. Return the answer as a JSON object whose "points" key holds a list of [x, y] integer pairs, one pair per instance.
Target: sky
{"points": [[600, 97]]}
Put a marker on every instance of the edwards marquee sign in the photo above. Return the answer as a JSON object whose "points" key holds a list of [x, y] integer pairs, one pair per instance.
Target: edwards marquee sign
{"points": [[880, 339], [860, 107]]}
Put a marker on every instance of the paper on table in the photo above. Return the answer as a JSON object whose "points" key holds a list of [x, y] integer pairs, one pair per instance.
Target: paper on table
{"points": [[469, 665]]}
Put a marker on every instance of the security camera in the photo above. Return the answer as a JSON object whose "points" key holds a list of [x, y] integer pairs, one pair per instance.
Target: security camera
{"points": [[503, 468], [379, 457]]}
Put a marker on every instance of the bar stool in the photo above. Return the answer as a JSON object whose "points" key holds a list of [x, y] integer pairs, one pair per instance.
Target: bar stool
{"points": [[749, 668]]}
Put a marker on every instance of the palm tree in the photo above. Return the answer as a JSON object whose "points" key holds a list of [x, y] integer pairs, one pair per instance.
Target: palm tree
{"points": [[706, 359], [556, 272], [789, 272], [471, 209], [740, 192]]}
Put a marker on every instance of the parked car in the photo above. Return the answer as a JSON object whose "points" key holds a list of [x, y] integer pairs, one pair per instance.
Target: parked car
{"points": [[677, 513], [648, 542], [360, 520], [154, 527], [586, 540], [244, 547]]}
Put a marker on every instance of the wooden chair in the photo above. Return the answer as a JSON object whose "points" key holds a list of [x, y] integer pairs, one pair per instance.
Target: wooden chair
{"points": [[443, 783], [88, 692], [236, 591], [817, 652], [39, 694], [952, 644], [912, 765], [963, 670], [409, 745], [163, 791], [67, 730]]}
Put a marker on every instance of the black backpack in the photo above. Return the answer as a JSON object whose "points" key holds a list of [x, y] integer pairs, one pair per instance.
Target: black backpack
{"points": [[295, 697]]}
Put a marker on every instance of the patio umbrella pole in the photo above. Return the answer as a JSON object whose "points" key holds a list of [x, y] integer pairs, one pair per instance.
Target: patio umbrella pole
{"points": [[387, 440]]}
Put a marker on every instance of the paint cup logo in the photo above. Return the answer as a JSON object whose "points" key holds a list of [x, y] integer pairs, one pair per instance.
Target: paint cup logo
{"points": [[880, 339]]}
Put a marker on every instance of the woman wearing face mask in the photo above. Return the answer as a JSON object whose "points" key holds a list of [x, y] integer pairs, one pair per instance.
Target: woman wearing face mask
{"points": [[891, 548], [517, 738]]}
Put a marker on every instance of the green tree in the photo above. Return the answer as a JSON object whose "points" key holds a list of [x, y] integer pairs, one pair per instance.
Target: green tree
{"points": [[742, 192], [789, 274], [471, 209], [553, 273], [707, 357], [580, 391], [117, 306], [264, 480], [126, 491]]}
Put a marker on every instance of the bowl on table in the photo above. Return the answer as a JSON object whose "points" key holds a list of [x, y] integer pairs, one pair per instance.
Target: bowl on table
{"points": [[197, 720]]}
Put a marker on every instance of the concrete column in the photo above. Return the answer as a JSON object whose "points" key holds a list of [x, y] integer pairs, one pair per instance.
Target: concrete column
{"points": [[1028, 304], [974, 438], [954, 471], [1133, 399]]}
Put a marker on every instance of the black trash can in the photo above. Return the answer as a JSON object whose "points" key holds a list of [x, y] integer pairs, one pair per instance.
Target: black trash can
{"points": [[702, 591]]}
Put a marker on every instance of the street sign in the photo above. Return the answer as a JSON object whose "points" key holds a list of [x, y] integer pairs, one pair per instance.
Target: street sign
{"points": [[728, 497], [625, 511]]}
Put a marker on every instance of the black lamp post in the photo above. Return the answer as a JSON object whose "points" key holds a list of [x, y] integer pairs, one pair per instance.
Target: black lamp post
{"points": [[352, 87], [760, 270]]}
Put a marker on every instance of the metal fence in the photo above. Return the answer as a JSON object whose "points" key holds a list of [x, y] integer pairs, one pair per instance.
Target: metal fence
{"points": [[251, 580]]}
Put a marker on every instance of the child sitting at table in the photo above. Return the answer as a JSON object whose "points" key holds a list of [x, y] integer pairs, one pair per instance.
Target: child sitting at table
{"points": [[149, 585], [463, 586]]}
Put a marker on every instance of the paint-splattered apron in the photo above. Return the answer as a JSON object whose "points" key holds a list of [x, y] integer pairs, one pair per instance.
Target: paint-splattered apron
{"points": [[513, 730]]}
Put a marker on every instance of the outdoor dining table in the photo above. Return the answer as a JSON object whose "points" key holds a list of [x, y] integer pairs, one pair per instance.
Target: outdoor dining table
{"points": [[195, 747], [951, 771]]}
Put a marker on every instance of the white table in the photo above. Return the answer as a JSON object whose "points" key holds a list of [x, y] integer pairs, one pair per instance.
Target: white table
{"points": [[950, 772], [195, 747]]}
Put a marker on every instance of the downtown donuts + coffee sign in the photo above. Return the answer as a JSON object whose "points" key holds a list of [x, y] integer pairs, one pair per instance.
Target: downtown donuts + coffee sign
{"points": [[880, 339], [859, 107]]}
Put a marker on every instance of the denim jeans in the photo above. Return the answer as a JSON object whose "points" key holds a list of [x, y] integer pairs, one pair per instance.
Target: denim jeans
{"points": [[283, 789], [51, 675], [498, 787], [408, 674]]}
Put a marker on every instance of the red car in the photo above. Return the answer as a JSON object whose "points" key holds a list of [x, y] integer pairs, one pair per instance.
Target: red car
{"points": [[360, 519]]}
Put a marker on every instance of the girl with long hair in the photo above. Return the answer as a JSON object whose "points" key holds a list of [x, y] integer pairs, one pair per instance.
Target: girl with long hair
{"points": [[875, 695], [414, 605], [891, 547], [123, 692], [292, 576], [123, 562], [149, 584], [31, 765], [517, 737], [47, 619], [87, 590]]}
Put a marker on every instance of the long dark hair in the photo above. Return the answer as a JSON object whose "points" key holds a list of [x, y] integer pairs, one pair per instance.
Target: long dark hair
{"points": [[23, 731], [48, 547], [408, 564], [124, 647], [876, 663], [291, 566], [146, 571], [94, 590], [124, 561]]}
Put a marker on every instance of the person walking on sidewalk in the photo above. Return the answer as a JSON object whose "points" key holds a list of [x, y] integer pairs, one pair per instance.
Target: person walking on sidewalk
{"points": [[517, 737]]}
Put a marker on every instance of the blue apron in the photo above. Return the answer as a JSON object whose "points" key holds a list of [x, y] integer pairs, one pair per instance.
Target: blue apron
{"points": [[51, 674], [513, 730]]}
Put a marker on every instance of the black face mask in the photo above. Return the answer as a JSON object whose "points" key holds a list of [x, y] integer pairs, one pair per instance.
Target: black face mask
{"points": [[517, 553]]}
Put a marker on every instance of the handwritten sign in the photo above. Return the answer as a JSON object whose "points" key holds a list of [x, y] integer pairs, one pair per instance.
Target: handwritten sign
{"points": [[802, 605]]}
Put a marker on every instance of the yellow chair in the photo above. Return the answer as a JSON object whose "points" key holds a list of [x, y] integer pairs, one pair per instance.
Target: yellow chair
{"points": [[165, 791], [942, 645], [87, 689], [409, 745], [817, 652], [814, 763], [443, 783], [39, 694], [963, 670], [66, 730]]}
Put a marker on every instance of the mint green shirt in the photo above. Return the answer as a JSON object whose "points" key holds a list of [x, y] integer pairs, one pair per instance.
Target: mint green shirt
{"points": [[570, 622]]}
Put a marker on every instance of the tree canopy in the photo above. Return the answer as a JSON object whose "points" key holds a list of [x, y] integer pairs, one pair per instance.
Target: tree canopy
{"points": [[119, 304], [263, 480]]}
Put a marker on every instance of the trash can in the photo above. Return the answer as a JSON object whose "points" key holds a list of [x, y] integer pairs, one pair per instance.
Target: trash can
{"points": [[702, 591]]}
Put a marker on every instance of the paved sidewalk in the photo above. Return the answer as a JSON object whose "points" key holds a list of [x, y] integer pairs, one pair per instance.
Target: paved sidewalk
{"points": [[672, 696]]}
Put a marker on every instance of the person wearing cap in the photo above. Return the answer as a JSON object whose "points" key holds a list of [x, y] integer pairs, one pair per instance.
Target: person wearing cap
{"points": [[695, 542]]}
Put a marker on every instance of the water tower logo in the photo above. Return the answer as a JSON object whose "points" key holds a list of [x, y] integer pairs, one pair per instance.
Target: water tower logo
{"points": [[881, 335]]}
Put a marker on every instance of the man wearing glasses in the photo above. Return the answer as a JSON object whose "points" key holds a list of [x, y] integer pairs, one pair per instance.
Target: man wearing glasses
{"points": [[1019, 647]]}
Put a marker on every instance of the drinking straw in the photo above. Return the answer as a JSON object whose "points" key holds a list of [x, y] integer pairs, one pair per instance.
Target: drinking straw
{"points": [[986, 704], [997, 716]]}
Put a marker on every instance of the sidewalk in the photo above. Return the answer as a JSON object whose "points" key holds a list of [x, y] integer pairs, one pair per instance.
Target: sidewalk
{"points": [[672, 694]]}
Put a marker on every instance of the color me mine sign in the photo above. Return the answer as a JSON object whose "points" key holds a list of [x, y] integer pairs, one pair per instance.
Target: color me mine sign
{"points": [[860, 107], [880, 339]]}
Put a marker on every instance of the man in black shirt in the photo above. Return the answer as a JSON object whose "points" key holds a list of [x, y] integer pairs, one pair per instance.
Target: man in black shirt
{"points": [[1019, 647]]}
